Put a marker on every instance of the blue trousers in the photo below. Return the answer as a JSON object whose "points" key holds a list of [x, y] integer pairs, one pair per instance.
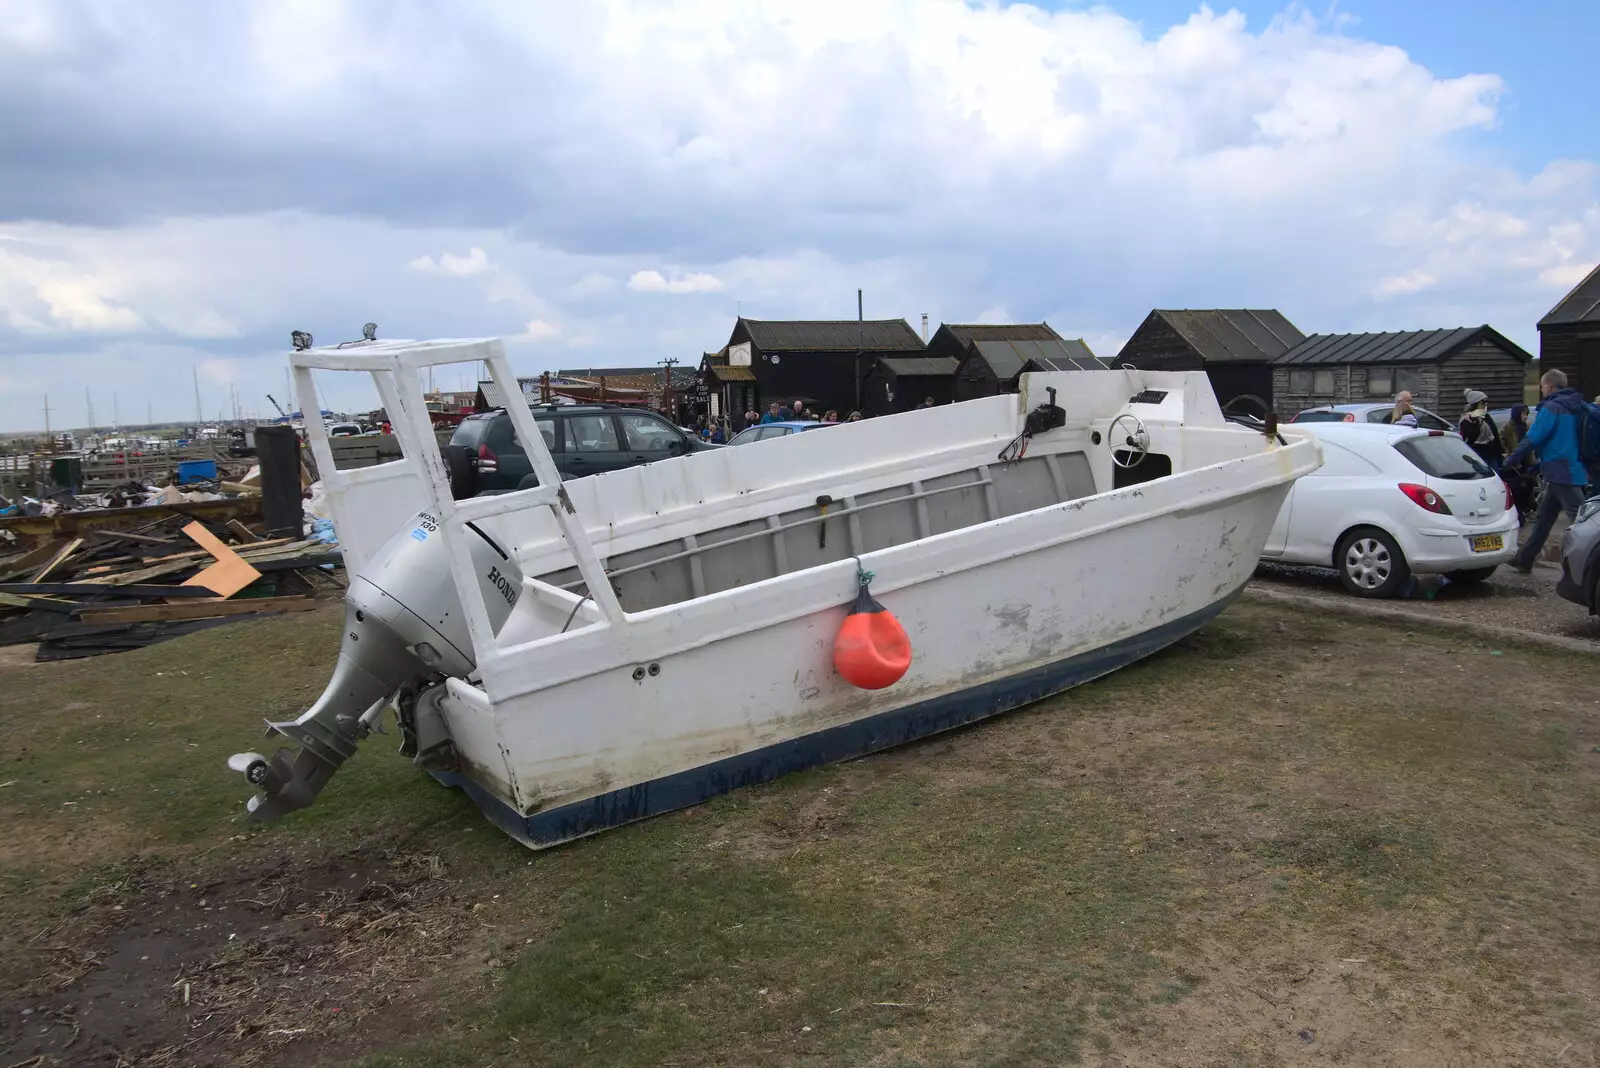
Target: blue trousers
{"points": [[1558, 497]]}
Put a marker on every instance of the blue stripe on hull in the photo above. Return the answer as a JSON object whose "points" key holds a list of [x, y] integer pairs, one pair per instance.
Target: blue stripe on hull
{"points": [[882, 731]]}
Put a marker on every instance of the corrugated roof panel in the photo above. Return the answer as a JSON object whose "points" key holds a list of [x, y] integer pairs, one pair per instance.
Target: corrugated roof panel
{"points": [[1234, 335], [920, 365], [1399, 346], [969, 333], [1191, 327], [1267, 329], [1582, 305], [833, 335], [1008, 358]]}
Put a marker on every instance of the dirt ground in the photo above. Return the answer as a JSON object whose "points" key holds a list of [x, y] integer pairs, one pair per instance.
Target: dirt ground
{"points": [[1290, 838]]}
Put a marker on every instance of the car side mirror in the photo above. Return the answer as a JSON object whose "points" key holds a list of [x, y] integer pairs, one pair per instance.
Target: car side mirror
{"points": [[679, 447]]}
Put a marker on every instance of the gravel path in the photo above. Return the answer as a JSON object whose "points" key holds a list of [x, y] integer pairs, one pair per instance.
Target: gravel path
{"points": [[1509, 599]]}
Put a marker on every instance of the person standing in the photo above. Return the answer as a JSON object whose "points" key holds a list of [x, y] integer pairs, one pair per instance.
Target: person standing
{"points": [[774, 414], [1516, 428], [1554, 433], [1402, 406], [799, 410], [1477, 429], [1521, 484]]}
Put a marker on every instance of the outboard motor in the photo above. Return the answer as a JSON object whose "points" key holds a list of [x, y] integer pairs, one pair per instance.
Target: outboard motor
{"points": [[404, 628]]}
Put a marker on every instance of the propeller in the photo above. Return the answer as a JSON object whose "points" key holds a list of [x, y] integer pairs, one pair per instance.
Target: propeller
{"points": [[253, 766]]}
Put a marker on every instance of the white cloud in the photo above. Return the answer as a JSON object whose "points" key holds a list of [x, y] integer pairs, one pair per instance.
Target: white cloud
{"points": [[966, 160], [593, 284], [993, 314], [538, 330], [1565, 276], [476, 261], [75, 305], [1404, 284], [656, 282]]}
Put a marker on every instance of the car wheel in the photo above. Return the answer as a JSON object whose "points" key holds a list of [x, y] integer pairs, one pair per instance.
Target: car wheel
{"points": [[463, 476], [1370, 563], [529, 481], [1471, 576]]}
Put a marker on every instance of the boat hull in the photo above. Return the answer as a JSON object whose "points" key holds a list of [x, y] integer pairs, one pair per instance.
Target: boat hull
{"points": [[846, 741]]}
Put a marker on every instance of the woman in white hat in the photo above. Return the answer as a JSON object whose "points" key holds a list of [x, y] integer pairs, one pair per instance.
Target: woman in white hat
{"points": [[1477, 428]]}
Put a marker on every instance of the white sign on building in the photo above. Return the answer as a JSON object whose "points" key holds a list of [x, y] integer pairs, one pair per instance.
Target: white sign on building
{"points": [[739, 355]]}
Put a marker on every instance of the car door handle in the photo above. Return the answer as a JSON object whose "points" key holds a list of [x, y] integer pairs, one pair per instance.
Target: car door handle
{"points": [[576, 460]]}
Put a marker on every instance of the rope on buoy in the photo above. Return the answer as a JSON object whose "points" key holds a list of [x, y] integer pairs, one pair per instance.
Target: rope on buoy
{"points": [[871, 650]]}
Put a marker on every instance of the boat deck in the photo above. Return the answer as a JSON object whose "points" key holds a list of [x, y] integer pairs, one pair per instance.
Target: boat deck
{"points": [[832, 529]]}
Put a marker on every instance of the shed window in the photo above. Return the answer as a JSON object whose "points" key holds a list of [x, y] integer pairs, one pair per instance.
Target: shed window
{"points": [[1388, 381], [1319, 382]]}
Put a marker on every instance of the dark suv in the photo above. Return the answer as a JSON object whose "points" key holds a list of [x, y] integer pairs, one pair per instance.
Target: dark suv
{"points": [[484, 455]]}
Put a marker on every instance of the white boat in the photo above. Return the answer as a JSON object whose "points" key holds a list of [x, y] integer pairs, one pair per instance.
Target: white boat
{"points": [[576, 656]]}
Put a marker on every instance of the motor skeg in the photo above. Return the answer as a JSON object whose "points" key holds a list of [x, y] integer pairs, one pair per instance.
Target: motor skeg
{"points": [[403, 622]]}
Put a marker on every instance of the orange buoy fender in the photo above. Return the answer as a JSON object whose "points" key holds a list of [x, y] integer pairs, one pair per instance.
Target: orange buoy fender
{"points": [[871, 649]]}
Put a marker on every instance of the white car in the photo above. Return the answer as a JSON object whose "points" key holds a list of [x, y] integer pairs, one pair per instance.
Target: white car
{"points": [[1391, 501]]}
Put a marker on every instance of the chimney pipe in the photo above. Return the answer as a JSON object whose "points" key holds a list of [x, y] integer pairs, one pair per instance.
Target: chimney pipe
{"points": [[924, 328]]}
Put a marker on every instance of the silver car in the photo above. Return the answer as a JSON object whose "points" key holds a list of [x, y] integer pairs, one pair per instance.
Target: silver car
{"points": [[1370, 412], [1580, 558]]}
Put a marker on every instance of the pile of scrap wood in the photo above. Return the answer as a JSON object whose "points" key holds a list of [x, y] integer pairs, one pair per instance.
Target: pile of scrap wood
{"points": [[108, 590]]}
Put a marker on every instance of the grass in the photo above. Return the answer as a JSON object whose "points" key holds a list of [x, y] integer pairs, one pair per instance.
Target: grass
{"points": [[1288, 826]]}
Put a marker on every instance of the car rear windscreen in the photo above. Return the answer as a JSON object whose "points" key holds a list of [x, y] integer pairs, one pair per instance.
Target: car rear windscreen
{"points": [[472, 431], [1443, 457], [1319, 417]]}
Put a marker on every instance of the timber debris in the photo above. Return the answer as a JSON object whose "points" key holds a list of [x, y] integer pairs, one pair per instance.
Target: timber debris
{"points": [[102, 591]]}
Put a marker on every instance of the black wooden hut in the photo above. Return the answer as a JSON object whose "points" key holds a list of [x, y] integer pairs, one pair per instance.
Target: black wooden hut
{"points": [[820, 362], [1569, 336], [1235, 347], [1436, 366], [991, 356], [901, 383]]}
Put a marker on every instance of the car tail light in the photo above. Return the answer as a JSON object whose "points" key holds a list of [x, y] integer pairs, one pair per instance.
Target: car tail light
{"points": [[1511, 501], [1423, 497], [487, 460]]}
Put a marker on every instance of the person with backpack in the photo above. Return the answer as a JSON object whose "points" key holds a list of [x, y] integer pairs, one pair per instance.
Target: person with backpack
{"points": [[1566, 433]]}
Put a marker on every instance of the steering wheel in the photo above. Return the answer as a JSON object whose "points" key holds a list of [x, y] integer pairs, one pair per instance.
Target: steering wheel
{"points": [[1136, 442]]}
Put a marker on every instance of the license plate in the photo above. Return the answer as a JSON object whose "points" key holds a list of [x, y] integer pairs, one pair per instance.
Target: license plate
{"points": [[1488, 543]]}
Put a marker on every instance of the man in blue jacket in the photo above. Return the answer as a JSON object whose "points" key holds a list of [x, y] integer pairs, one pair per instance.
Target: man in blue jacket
{"points": [[1554, 434]]}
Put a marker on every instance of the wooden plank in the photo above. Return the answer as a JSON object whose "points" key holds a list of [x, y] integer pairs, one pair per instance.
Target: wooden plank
{"points": [[229, 574], [58, 559], [309, 560], [97, 589], [167, 565], [242, 532], [54, 604], [80, 520], [197, 609], [142, 539], [35, 557]]}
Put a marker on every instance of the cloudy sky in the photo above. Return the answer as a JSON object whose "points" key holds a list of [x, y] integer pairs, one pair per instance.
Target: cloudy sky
{"points": [[612, 181]]}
